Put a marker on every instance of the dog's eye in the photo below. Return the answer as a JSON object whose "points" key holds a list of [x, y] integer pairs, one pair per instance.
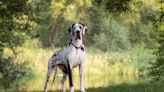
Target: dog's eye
{"points": [[80, 27]]}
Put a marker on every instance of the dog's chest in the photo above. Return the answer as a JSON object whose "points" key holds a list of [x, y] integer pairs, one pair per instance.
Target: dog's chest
{"points": [[75, 56]]}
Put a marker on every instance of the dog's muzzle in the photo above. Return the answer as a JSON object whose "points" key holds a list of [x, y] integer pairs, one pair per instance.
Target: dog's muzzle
{"points": [[78, 35]]}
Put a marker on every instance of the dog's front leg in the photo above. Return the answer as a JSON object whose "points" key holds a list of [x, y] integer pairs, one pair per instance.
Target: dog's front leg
{"points": [[81, 71], [70, 78]]}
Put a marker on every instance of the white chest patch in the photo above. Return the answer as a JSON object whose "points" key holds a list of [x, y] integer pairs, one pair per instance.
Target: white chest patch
{"points": [[75, 56]]}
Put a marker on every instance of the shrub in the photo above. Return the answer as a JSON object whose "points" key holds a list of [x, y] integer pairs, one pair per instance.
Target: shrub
{"points": [[13, 73], [113, 36]]}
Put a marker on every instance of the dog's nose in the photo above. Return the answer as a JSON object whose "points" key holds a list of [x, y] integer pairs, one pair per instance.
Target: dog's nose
{"points": [[78, 32]]}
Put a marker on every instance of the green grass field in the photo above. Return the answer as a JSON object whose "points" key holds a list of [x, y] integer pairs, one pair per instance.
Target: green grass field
{"points": [[143, 87], [104, 72]]}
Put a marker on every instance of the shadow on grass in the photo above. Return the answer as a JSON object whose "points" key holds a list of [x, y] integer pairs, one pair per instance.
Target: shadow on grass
{"points": [[142, 87]]}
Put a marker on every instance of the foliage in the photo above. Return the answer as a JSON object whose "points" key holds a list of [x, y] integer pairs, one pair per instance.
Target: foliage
{"points": [[15, 21], [113, 36], [121, 33], [117, 6], [119, 37], [157, 69], [13, 73]]}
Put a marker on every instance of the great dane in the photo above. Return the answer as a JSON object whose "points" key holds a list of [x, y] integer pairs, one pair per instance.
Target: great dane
{"points": [[71, 56]]}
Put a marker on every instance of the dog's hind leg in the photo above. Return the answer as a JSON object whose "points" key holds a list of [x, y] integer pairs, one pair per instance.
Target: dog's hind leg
{"points": [[65, 72], [54, 75], [62, 82], [49, 72]]}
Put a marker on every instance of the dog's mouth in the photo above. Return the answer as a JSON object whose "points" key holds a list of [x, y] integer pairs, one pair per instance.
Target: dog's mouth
{"points": [[78, 37]]}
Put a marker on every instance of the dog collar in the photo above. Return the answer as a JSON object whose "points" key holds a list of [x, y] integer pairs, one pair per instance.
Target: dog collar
{"points": [[80, 47]]}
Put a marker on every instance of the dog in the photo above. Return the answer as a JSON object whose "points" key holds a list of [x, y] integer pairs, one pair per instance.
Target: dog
{"points": [[70, 57]]}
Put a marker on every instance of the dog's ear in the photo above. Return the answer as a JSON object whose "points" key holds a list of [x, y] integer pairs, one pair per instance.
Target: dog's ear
{"points": [[70, 28], [84, 29]]}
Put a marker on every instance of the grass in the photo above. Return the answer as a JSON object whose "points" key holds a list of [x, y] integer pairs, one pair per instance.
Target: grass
{"points": [[141, 87], [104, 72]]}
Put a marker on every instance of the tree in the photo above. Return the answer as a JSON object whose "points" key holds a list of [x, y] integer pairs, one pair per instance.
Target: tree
{"points": [[15, 23], [15, 20], [115, 6], [157, 69]]}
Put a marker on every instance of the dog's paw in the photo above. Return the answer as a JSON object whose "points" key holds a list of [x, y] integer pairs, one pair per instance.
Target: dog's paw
{"points": [[83, 90], [71, 89]]}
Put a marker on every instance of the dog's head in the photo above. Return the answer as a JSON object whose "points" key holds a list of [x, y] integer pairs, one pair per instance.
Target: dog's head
{"points": [[77, 30]]}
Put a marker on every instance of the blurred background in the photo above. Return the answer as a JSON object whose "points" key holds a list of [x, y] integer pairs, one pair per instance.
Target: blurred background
{"points": [[124, 43]]}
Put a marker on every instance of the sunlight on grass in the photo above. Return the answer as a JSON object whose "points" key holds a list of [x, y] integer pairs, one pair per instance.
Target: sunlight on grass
{"points": [[101, 69]]}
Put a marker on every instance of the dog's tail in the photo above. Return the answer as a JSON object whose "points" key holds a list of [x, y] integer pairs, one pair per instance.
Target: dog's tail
{"points": [[55, 73]]}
